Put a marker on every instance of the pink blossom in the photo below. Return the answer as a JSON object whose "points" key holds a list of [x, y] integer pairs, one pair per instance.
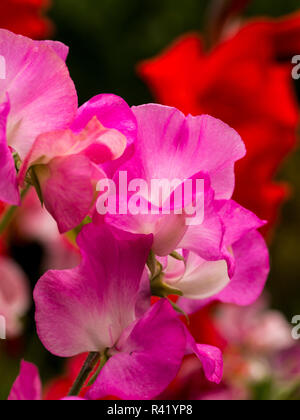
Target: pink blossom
{"points": [[99, 307], [39, 120], [171, 146], [67, 168], [260, 330], [260, 344], [225, 258], [238, 276], [14, 296], [195, 277], [8, 180], [69, 163], [37, 95]]}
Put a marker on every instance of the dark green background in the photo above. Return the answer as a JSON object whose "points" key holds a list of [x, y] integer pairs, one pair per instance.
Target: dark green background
{"points": [[107, 38]]}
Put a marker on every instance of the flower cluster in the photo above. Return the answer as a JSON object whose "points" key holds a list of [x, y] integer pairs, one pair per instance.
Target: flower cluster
{"points": [[104, 306]]}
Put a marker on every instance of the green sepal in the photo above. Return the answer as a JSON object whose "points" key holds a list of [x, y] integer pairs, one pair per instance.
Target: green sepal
{"points": [[36, 183], [161, 289]]}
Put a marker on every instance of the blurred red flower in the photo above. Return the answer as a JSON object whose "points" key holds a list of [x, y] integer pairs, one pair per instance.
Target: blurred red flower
{"points": [[59, 388], [245, 81], [25, 17]]}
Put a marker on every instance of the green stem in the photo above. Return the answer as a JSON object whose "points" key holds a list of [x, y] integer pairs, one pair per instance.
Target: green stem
{"points": [[179, 310], [177, 256], [10, 213], [288, 393], [85, 372], [219, 13], [151, 263], [104, 358]]}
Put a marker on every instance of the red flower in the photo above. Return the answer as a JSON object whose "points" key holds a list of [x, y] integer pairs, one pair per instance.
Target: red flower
{"points": [[25, 17], [245, 81]]}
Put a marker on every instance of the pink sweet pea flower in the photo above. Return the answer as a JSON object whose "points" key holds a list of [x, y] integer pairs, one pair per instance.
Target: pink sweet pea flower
{"points": [[247, 257], [99, 307], [14, 296], [238, 278], [39, 121], [36, 94], [67, 168], [69, 163], [112, 111], [225, 256], [174, 147], [193, 276], [9, 191], [258, 329]]}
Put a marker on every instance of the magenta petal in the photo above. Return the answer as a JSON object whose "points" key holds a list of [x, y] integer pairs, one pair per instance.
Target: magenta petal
{"points": [[210, 357], [170, 145], [148, 360], [143, 302], [167, 230], [220, 147], [206, 239], [9, 191], [237, 220], [170, 230], [212, 362], [68, 191], [59, 48], [42, 94], [28, 386], [95, 142], [112, 111], [87, 308], [251, 273]]}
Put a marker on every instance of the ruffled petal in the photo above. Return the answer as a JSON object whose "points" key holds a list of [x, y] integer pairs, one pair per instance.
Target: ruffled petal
{"points": [[87, 309], [210, 357], [144, 366], [68, 190], [42, 94], [9, 191]]}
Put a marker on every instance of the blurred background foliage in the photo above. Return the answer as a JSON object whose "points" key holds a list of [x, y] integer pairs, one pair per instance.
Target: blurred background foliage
{"points": [[107, 39]]}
